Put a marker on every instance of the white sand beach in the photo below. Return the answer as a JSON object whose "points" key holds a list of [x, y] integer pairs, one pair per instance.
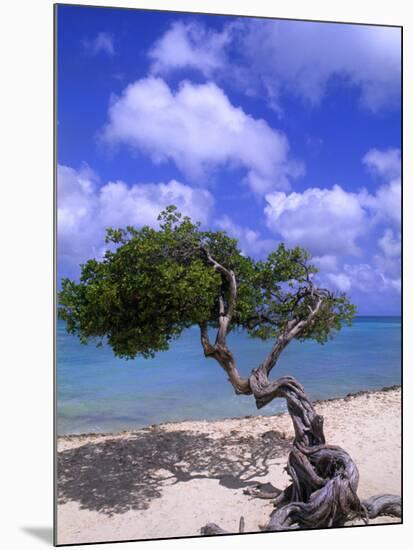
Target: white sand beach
{"points": [[170, 480]]}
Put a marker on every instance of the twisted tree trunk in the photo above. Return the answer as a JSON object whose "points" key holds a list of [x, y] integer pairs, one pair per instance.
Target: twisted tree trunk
{"points": [[323, 492]]}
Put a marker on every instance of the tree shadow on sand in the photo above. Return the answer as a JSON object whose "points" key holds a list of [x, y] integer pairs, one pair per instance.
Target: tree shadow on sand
{"points": [[118, 475]]}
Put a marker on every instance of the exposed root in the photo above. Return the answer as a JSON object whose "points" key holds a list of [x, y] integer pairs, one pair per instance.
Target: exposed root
{"points": [[383, 505]]}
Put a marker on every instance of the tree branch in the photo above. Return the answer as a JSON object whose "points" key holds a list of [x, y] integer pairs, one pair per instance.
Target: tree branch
{"points": [[224, 317], [292, 330], [206, 345], [223, 355], [294, 326]]}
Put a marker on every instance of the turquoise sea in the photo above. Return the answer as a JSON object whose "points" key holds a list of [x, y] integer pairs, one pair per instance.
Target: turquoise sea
{"points": [[96, 392]]}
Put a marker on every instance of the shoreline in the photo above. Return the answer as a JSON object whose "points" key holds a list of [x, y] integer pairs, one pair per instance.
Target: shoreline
{"points": [[348, 396], [169, 480]]}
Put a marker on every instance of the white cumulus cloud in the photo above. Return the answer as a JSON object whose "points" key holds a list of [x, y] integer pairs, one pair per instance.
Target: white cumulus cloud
{"points": [[85, 209], [386, 164], [340, 280], [325, 221], [302, 58], [327, 262], [199, 129], [330, 223], [189, 45], [387, 201], [388, 260], [363, 278], [390, 244], [289, 57], [250, 241]]}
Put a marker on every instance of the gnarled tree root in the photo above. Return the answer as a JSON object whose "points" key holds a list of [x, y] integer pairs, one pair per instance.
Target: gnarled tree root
{"points": [[383, 505], [323, 492]]}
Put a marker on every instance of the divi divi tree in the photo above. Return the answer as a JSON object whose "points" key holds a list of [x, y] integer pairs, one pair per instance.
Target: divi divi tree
{"points": [[153, 283]]}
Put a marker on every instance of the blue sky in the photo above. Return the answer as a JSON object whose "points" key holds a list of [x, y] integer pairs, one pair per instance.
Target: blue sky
{"points": [[272, 130]]}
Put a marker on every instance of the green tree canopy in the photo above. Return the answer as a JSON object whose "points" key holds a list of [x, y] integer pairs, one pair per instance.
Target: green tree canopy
{"points": [[154, 283]]}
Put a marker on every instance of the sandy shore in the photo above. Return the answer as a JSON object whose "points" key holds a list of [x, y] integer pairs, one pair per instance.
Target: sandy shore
{"points": [[171, 479]]}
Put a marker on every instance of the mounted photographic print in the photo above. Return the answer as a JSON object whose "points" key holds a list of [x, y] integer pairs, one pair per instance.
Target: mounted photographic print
{"points": [[228, 274]]}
